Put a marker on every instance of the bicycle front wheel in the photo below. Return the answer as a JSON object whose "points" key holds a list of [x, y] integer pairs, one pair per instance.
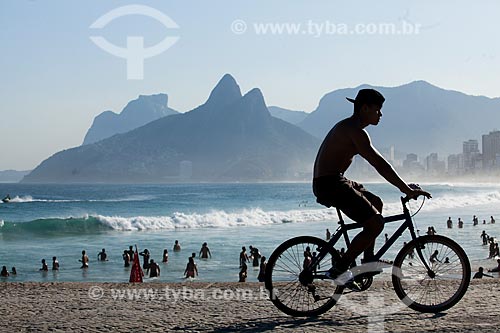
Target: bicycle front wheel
{"points": [[438, 289], [295, 294]]}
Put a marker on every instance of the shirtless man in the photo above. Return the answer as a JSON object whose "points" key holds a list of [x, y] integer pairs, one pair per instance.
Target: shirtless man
{"points": [[84, 260], [345, 140]]}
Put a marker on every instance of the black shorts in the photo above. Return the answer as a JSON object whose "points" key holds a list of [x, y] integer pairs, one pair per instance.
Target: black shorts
{"points": [[350, 197]]}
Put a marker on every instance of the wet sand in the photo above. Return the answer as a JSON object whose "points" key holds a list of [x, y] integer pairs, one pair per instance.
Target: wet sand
{"points": [[227, 307]]}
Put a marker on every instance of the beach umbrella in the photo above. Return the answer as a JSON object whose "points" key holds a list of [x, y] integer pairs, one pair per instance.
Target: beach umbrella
{"points": [[136, 273]]}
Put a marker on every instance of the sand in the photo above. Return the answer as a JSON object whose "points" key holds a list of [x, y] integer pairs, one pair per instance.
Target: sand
{"points": [[227, 307]]}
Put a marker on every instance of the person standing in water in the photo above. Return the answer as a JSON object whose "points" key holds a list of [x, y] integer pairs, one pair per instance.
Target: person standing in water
{"points": [[84, 260], [191, 270], [102, 256], [55, 264], [205, 251]]}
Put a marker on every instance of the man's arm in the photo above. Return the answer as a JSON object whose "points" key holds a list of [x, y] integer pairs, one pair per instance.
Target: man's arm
{"points": [[363, 144]]}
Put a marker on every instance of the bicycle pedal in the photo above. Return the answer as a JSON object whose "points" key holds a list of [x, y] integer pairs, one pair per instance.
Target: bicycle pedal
{"points": [[354, 286]]}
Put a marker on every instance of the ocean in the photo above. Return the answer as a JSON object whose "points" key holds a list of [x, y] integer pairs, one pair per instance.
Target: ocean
{"points": [[43, 221]]}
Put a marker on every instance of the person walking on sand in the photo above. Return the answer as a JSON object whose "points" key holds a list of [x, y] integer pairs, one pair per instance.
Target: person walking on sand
{"points": [[205, 251], [177, 246], [84, 260], [102, 256], [55, 264], [191, 270]]}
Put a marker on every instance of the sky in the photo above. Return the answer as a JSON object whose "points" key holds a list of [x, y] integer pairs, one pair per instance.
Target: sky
{"points": [[55, 79]]}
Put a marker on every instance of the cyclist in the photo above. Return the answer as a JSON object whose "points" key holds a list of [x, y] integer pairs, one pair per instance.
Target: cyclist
{"points": [[345, 140]]}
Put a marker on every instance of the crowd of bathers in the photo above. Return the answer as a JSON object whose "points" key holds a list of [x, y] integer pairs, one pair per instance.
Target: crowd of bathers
{"points": [[257, 260], [460, 222], [493, 252], [152, 268]]}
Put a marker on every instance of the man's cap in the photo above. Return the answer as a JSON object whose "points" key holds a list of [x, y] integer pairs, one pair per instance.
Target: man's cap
{"points": [[368, 96]]}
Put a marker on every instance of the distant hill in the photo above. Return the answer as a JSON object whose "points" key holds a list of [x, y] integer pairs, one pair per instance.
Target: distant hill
{"points": [[136, 114], [12, 176], [291, 116], [417, 117], [229, 138]]}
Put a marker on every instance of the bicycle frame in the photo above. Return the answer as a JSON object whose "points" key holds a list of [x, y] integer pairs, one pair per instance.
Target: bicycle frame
{"points": [[344, 228]]}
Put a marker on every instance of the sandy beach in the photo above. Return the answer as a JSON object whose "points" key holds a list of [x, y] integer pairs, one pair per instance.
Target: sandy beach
{"points": [[226, 307]]}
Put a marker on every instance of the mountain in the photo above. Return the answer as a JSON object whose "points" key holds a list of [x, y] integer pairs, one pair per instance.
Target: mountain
{"points": [[291, 116], [417, 117], [229, 138], [137, 113]]}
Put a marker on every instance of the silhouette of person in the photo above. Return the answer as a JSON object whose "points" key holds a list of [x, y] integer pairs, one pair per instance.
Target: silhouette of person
{"points": [[331, 188], [243, 256], [145, 254], [4, 272], [126, 258], [44, 268], [205, 251], [496, 269], [13, 271], [131, 253], [328, 235], [480, 273], [55, 264], [153, 268], [191, 270], [254, 252], [165, 255], [84, 260], [243, 273], [102, 256], [262, 271], [484, 236], [177, 246], [449, 223]]}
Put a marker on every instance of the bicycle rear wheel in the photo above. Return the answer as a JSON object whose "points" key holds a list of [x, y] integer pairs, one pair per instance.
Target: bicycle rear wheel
{"points": [[443, 286], [313, 294]]}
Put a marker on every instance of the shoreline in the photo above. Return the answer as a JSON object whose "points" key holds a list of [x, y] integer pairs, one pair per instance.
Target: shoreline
{"points": [[226, 307]]}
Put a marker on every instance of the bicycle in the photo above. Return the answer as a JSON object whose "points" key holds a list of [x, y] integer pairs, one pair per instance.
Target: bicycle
{"points": [[432, 280]]}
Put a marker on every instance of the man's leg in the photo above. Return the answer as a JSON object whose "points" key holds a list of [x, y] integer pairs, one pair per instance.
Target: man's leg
{"points": [[378, 204], [373, 227]]}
